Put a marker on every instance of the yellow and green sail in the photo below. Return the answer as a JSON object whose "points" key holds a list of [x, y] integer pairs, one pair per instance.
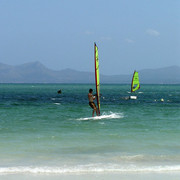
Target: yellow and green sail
{"points": [[135, 85], [97, 79]]}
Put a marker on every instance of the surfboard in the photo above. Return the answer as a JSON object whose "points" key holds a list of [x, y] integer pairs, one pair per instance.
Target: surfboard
{"points": [[97, 78]]}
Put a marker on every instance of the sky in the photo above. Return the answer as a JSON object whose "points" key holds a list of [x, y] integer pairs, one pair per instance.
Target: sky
{"points": [[130, 34]]}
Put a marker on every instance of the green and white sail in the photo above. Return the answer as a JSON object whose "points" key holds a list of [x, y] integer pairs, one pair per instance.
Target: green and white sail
{"points": [[97, 79], [135, 85]]}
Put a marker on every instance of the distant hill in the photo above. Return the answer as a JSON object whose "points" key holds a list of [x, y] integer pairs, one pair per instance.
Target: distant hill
{"points": [[168, 75], [35, 72]]}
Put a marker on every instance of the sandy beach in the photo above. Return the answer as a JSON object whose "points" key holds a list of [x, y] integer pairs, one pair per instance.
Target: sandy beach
{"points": [[98, 176]]}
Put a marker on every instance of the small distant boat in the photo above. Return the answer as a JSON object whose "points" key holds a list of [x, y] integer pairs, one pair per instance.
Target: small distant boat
{"points": [[135, 85]]}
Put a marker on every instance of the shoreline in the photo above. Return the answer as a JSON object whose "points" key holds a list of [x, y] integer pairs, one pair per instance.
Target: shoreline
{"points": [[90, 176]]}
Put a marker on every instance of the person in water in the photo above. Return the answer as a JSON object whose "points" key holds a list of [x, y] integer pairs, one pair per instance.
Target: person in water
{"points": [[59, 91], [91, 102]]}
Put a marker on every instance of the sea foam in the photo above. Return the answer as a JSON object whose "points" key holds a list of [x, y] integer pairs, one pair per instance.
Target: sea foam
{"points": [[110, 115], [91, 168]]}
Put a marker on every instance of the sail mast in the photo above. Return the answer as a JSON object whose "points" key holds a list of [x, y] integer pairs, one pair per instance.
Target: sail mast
{"points": [[132, 82]]}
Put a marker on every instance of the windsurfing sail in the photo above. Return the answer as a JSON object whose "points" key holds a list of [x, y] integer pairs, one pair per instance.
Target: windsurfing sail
{"points": [[135, 85], [97, 80]]}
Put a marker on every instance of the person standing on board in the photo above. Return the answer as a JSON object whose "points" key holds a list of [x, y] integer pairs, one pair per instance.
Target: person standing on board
{"points": [[91, 102]]}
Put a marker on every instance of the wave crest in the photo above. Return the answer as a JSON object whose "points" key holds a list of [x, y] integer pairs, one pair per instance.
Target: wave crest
{"points": [[87, 169], [104, 115]]}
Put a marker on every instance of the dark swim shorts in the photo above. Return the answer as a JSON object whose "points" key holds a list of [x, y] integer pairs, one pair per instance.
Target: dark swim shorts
{"points": [[92, 104]]}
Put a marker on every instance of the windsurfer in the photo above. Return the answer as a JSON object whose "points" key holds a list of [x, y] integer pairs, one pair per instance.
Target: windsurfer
{"points": [[91, 102]]}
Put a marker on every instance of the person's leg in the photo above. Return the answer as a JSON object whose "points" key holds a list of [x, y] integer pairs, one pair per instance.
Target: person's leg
{"points": [[93, 113], [97, 112]]}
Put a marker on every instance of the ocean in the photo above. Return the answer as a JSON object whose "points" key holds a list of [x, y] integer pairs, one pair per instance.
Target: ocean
{"points": [[43, 132]]}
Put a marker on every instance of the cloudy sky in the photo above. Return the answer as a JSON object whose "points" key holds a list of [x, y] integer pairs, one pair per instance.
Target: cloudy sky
{"points": [[130, 34]]}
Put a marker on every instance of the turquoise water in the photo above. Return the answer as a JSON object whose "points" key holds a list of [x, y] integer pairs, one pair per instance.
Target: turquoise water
{"points": [[45, 132]]}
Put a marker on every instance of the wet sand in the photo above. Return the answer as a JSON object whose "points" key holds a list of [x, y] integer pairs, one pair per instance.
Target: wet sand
{"points": [[98, 176]]}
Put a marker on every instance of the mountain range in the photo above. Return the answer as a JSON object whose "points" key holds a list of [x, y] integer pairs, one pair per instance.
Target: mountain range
{"points": [[35, 72]]}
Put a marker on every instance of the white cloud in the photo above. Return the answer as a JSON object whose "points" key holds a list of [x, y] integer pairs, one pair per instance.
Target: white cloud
{"points": [[152, 32], [89, 32], [129, 40], [106, 38]]}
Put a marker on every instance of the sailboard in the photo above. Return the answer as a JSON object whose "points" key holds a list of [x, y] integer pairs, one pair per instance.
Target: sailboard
{"points": [[97, 78], [135, 85]]}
